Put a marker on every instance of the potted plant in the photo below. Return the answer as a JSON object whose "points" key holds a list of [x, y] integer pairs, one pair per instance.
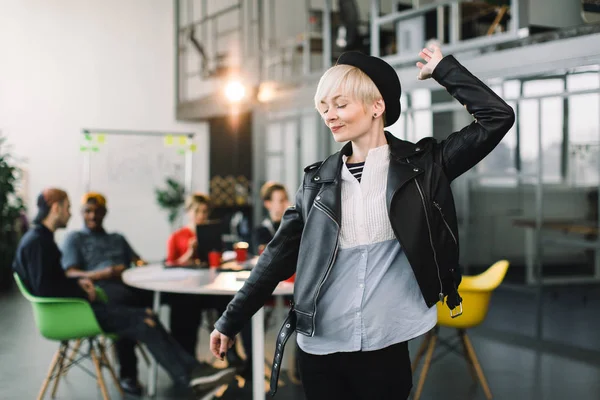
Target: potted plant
{"points": [[171, 199], [11, 212]]}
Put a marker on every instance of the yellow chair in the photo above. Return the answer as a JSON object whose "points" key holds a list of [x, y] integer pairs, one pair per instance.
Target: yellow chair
{"points": [[475, 292]]}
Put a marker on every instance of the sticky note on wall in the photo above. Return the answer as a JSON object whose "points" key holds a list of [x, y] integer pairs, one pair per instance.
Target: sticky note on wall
{"points": [[169, 140]]}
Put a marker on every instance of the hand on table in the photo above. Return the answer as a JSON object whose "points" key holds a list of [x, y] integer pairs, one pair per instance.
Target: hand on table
{"points": [[117, 270], [140, 263], [431, 57], [220, 344], [193, 243]]}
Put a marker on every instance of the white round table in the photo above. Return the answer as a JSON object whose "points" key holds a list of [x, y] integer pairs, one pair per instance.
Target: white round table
{"points": [[159, 279]]}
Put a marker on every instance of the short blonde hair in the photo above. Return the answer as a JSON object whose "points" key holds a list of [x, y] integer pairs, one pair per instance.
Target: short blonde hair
{"points": [[195, 200], [350, 81]]}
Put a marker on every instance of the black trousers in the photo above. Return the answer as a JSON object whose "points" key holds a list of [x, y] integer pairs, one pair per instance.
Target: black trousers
{"points": [[370, 375], [186, 316], [136, 324]]}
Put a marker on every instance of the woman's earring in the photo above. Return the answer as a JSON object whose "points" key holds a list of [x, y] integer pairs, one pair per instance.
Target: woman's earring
{"points": [[374, 115]]}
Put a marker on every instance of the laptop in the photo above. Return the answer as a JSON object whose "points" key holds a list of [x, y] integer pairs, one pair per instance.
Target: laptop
{"points": [[209, 237]]}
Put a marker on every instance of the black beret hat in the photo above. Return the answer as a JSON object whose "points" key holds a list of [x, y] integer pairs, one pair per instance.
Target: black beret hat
{"points": [[383, 76]]}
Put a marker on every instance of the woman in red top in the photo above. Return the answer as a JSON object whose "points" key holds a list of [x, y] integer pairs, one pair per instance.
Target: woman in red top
{"points": [[181, 250], [181, 247]]}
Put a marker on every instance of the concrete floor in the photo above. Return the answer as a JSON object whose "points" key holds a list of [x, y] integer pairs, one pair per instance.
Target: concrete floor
{"points": [[565, 365]]}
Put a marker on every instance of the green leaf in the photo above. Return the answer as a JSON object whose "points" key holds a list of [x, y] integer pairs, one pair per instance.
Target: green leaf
{"points": [[11, 207], [171, 199]]}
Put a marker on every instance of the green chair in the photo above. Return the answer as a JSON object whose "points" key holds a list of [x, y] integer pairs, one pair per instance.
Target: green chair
{"points": [[70, 320]]}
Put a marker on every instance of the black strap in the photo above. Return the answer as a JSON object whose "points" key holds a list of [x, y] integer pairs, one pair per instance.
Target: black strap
{"points": [[453, 300], [288, 327]]}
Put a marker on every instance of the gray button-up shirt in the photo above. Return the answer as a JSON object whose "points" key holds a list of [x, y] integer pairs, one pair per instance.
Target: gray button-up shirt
{"points": [[91, 251], [371, 299]]}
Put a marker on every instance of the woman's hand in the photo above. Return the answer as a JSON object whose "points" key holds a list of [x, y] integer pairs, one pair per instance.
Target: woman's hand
{"points": [[192, 243], [219, 344], [431, 57]]}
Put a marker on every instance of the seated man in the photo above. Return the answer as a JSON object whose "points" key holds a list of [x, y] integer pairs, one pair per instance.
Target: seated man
{"points": [[37, 262], [102, 257], [275, 201]]}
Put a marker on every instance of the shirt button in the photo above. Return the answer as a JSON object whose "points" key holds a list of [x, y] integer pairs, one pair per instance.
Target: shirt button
{"points": [[358, 314], [361, 286]]}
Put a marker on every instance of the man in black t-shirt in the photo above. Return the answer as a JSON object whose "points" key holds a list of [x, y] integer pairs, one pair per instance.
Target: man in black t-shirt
{"points": [[275, 200]]}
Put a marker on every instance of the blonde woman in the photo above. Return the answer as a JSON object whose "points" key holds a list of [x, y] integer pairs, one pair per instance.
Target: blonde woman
{"points": [[182, 249], [182, 244], [373, 235]]}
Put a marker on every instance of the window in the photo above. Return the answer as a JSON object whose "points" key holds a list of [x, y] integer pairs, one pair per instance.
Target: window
{"points": [[584, 130], [545, 114], [500, 165], [420, 122]]}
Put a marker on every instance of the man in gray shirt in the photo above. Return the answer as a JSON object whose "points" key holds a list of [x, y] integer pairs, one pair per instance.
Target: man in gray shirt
{"points": [[102, 257]]}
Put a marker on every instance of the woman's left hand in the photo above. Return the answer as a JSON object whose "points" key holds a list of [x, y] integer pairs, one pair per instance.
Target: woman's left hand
{"points": [[431, 57]]}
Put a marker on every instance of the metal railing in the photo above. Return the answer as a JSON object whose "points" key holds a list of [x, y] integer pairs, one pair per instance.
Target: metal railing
{"points": [[455, 44]]}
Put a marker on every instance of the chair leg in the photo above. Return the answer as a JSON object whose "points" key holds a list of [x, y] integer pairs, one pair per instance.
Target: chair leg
{"points": [[105, 362], [99, 376], [53, 365], [426, 365], [421, 351], [461, 334], [61, 362], [73, 355], [477, 366]]}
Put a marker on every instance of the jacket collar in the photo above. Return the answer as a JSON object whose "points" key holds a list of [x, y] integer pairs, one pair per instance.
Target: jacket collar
{"points": [[330, 170]]}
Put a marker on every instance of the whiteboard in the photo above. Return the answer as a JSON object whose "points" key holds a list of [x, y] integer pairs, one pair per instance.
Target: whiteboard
{"points": [[126, 169]]}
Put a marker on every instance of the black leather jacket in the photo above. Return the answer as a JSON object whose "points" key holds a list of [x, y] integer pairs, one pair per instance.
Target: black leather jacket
{"points": [[419, 202]]}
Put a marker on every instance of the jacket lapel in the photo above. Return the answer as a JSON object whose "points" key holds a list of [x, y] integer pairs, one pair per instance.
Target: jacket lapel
{"points": [[401, 171], [329, 176], [398, 175]]}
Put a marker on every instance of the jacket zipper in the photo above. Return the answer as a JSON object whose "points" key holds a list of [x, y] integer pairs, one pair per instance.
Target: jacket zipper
{"points": [[329, 267], [445, 223], [441, 294]]}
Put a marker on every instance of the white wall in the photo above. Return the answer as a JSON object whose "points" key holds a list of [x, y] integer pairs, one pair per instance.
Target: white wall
{"points": [[69, 64]]}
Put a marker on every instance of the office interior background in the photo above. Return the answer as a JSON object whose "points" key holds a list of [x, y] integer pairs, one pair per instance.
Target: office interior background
{"points": [[119, 97]]}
